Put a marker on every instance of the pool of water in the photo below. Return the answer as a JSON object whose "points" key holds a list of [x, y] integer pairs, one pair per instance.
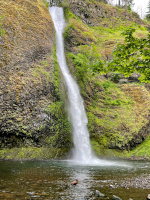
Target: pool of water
{"points": [[51, 180]]}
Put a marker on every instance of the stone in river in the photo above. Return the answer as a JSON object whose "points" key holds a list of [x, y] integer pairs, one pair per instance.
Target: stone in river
{"points": [[114, 197], [99, 194]]}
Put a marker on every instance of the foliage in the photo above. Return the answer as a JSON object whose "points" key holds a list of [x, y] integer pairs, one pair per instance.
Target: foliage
{"points": [[65, 4], [148, 13], [142, 150], [132, 56], [46, 3], [88, 62], [125, 3], [59, 124]]}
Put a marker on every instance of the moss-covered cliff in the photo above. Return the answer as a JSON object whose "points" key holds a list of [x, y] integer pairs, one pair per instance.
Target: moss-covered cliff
{"points": [[118, 113], [31, 111], [33, 121]]}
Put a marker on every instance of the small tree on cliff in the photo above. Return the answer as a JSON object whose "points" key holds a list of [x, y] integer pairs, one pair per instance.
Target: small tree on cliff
{"points": [[148, 13], [125, 3]]}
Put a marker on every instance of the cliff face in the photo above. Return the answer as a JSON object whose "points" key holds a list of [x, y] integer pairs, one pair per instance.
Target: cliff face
{"points": [[118, 113], [98, 13], [29, 76], [32, 94]]}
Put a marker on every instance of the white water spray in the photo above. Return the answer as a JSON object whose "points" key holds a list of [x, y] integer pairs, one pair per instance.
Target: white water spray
{"points": [[82, 152], [82, 149]]}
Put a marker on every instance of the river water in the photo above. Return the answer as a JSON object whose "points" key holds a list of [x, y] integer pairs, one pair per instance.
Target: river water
{"points": [[51, 180]]}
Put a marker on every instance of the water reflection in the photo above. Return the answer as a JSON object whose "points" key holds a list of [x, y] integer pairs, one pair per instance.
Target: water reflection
{"points": [[82, 189], [46, 180]]}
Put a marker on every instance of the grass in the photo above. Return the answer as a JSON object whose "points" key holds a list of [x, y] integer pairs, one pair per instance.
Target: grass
{"points": [[105, 38], [142, 150], [30, 153]]}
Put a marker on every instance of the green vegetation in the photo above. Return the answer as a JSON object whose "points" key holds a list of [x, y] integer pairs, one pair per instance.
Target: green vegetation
{"points": [[114, 113], [59, 125], [88, 62], [109, 112], [148, 13], [46, 3], [132, 56], [40, 71], [142, 150], [31, 153]]}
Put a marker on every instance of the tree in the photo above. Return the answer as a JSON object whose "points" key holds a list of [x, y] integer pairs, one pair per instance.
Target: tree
{"points": [[125, 3], [148, 13], [132, 56]]}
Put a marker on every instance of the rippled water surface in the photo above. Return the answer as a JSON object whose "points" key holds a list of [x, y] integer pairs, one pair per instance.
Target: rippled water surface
{"points": [[36, 180]]}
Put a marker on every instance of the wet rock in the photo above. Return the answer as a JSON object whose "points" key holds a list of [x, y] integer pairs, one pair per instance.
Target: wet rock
{"points": [[148, 197], [88, 198], [114, 197], [111, 186], [134, 77], [75, 182], [99, 194], [123, 81]]}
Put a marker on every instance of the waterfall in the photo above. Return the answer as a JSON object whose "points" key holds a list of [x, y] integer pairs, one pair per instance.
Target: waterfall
{"points": [[82, 149], [82, 152]]}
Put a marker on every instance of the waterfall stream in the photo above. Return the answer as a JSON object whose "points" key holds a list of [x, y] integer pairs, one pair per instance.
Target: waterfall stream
{"points": [[82, 152], [82, 149]]}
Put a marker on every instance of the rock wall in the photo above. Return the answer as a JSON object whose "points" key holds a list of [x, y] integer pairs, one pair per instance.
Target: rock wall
{"points": [[28, 76], [118, 114], [98, 13], [32, 92]]}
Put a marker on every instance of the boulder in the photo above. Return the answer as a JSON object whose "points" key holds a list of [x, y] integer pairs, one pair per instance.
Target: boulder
{"points": [[148, 197]]}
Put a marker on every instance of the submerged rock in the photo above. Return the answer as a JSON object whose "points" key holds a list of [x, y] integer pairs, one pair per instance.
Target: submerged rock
{"points": [[114, 197], [148, 197], [99, 194], [75, 182]]}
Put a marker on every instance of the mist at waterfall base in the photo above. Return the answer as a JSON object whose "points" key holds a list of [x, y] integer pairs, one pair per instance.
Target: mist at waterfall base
{"points": [[82, 152]]}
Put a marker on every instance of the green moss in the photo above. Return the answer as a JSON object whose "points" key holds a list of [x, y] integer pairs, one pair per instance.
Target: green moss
{"points": [[106, 35], [65, 4], [45, 3], [142, 150], [108, 107], [41, 72], [31, 153], [109, 114], [59, 125]]}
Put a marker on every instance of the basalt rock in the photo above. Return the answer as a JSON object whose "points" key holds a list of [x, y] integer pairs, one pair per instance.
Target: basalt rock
{"points": [[27, 86], [96, 13]]}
